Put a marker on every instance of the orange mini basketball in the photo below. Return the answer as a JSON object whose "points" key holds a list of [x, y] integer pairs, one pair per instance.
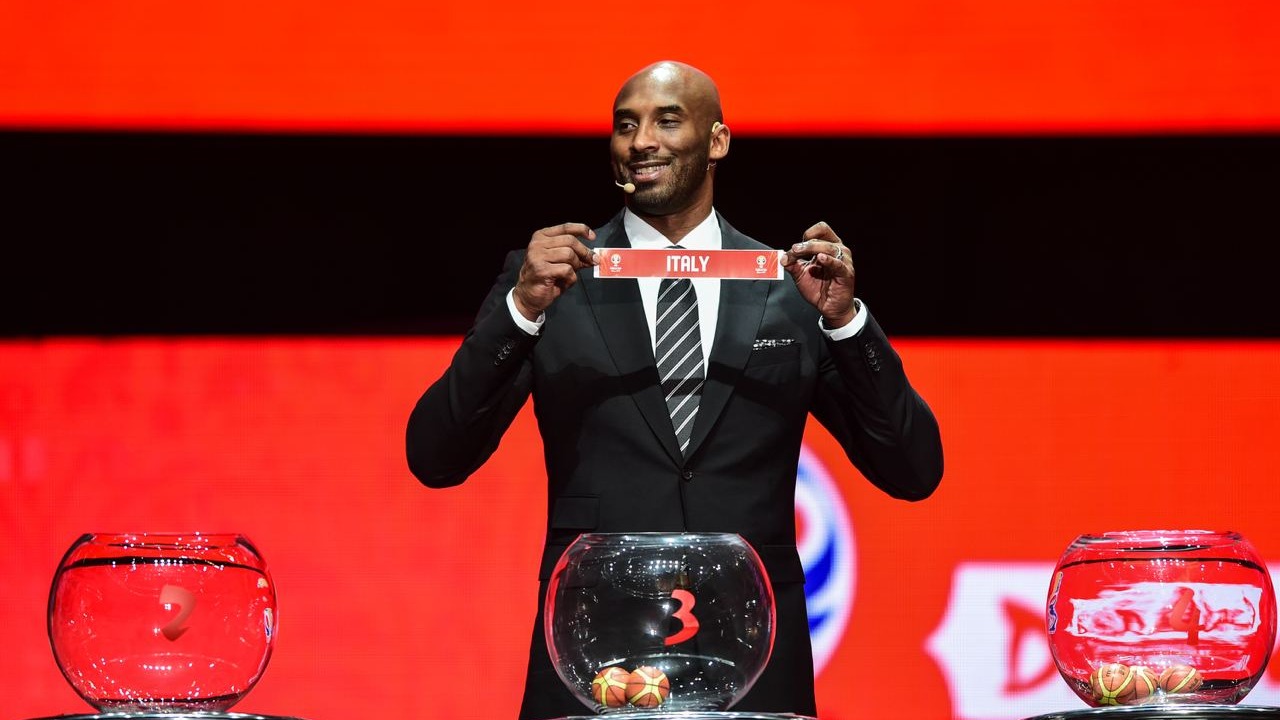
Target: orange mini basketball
{"points": [[609, 688], [1180, 679], [1144, 685], [647, 687], [1112, 684]]}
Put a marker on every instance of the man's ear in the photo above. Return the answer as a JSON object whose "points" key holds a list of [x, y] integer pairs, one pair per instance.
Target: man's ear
{"points": [[719, 140]]}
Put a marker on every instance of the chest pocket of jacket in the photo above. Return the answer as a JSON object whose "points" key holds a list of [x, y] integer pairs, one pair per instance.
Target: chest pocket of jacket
{"points": [[778, 359]]}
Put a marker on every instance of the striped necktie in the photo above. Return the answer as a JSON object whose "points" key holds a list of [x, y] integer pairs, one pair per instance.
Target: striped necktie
{"points": [[679, 354]]}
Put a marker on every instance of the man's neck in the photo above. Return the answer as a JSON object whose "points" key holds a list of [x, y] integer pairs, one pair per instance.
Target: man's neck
{"points": [[676, 226]]}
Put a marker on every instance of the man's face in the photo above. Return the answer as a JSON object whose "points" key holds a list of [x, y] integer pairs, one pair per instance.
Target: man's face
{"points": [[661, 144]]}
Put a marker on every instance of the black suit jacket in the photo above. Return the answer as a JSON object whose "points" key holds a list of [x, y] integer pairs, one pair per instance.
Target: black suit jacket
{"points": [[605, 429]]}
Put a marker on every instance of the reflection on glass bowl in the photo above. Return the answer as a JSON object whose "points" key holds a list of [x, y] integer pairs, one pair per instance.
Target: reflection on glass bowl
{"points": [[1148, 617], [659, 622], [162, 622]]}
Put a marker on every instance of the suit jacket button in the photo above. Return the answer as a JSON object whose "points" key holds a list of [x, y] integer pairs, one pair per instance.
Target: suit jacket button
{"points": [[686, 474]]}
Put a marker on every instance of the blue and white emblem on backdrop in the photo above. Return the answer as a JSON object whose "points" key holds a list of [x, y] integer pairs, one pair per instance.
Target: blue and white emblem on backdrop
{"points": [[827, 552]]}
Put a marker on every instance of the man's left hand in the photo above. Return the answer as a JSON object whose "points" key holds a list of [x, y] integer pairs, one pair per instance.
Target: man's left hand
{"points": [[822, 268]]}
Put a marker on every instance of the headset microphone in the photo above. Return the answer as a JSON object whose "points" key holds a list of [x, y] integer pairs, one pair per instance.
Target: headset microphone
{"points": [[627, 188]]}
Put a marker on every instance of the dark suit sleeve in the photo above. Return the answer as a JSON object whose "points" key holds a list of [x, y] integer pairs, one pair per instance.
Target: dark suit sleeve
{"points": [[884, 426], [459, 421]]}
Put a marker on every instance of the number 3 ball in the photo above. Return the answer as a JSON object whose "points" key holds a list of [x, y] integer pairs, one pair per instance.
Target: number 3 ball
{"points": [[647, 687], [609, 688]]}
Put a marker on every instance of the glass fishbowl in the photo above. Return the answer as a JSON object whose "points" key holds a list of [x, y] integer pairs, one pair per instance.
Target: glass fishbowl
{"points": [[162, 622], [659, 622], [1161, 616]]}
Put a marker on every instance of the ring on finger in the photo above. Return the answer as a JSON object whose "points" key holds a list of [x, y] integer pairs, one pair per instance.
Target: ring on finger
{"points": [[839, 252]]}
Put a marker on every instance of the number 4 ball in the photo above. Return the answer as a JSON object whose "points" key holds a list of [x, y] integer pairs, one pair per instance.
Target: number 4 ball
{"points": [[647, 687], [1120, 684], [1180, 679], [609, 688], [1112, 684], [1144, 684]]}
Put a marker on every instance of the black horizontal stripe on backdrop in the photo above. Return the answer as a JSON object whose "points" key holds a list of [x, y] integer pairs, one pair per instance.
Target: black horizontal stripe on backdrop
{"points": [[172, 233]]}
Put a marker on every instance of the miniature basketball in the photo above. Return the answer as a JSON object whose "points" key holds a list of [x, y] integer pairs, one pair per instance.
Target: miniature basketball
{"points": [[1180, 679], [1112, 684], [609, 688], [1144, 685], [647, 687]]}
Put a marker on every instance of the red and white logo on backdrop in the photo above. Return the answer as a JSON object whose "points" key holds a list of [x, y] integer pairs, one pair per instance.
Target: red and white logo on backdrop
{"points": [[993, 647], [827, 553]]}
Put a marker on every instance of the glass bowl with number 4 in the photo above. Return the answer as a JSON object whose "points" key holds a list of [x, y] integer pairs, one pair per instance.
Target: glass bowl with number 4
{"points": [[1172, 617]]}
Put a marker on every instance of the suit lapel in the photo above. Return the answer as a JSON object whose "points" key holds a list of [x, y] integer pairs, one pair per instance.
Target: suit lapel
{"points": [[619, 314], [742, 305]]}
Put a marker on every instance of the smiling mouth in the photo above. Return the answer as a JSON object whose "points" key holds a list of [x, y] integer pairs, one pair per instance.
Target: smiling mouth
{"points": [[647, 173]]}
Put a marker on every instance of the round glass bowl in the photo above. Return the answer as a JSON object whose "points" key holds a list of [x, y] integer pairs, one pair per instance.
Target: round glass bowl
{"points": [[659, 622], [1161, 616], [162, 622]]}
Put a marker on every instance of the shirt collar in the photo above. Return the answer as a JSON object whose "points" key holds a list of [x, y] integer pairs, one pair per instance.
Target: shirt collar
{"points": [[706, 236]]}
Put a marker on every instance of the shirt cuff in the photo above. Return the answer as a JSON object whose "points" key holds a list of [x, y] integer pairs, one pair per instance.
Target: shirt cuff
{"points": [[534, 327], [854, 327]]}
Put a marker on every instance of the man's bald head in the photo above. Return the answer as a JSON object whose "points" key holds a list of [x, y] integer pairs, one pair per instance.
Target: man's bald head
{"points": [[693, 88], [667, 136]]}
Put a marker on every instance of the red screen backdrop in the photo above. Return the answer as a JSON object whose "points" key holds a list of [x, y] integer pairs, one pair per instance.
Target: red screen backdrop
{"points": [[826, 66], [400, 601]]}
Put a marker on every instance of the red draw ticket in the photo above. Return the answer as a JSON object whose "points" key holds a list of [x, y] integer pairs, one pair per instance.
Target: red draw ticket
{"points": [[666, 263]]}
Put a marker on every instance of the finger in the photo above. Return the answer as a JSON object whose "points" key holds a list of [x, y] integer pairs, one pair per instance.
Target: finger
{"points": [[844, 254], [821, 266], [576, 255], [563, 275], [801, 251], [806, 265], [586, 257], [793, 266], [809, 249], [578, 230], [821, 231], [550, 273], [834, 267]]}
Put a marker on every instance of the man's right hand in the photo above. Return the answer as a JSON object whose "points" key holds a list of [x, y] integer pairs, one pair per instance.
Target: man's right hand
{"points": [[551, 265]]}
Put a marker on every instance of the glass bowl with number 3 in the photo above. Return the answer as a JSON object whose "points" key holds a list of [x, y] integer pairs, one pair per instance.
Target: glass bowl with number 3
{"points": [[162, 622], [659, 622]]}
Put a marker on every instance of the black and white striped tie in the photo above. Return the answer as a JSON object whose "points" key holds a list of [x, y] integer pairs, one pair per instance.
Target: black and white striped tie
{"points": [[679, 354]]}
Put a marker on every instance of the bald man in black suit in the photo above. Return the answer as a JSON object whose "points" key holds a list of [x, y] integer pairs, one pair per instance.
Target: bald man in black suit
{"points": [[584, 348]]}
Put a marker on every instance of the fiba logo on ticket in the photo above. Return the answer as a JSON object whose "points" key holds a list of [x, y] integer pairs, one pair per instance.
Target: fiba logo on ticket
{"points": [[827, 552]]}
